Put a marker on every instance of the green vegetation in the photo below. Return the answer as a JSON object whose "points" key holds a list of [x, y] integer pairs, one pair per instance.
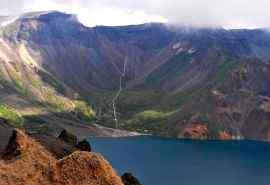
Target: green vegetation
{"points": [[106, 119], [150, 115], [84, 111], [51, 80], [35, 83], [34, 119], [11, 115], [152, 121], [146, 108], [223, 69], [167, 72], [56, 103], [133, 102]]}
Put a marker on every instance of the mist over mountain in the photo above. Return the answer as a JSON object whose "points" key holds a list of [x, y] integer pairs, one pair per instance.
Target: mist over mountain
{"points": [[178, 81], [229, 13]]}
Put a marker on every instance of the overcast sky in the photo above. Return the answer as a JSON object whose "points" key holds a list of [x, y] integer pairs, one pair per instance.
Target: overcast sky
{"points": [[226, 13]]}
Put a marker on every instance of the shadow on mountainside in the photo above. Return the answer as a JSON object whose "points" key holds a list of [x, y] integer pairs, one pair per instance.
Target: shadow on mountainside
{"points": [[54, 123]]}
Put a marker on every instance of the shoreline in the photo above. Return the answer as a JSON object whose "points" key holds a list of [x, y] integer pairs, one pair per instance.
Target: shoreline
{"points": [[83, 131], [118, 133], [178, 139]]}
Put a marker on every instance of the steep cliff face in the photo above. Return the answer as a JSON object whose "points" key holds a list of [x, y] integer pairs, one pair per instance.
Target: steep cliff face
{"points": [[237, 105], [26, 162], [174, 76]]}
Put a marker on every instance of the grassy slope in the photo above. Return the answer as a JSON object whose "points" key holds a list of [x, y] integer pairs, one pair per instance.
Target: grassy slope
{"points": [[43, 92], [148, 108], [11, 115]]}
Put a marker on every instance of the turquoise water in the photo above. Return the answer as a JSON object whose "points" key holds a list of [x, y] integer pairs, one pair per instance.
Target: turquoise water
{"points": [[159, 161]]}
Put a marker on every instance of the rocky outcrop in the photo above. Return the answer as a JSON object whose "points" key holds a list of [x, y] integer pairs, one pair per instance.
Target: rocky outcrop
{"points": [[87, 168], [68, 137], [5, 132], [196, 131], [14, 147], [27, 162], [223, 135], [58, 148], [83, 145], [129, 179], [63, 145]]}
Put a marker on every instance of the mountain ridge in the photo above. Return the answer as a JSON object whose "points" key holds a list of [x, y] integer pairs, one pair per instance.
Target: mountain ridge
{"points": [[177, 80]]}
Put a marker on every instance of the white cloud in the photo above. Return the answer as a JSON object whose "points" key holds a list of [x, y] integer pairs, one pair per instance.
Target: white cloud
{"points": [[227, 13], [93, 13], [113, 16]]}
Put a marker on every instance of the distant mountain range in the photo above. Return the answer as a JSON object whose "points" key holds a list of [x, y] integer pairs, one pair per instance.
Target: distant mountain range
{"points": [[189, 82]]}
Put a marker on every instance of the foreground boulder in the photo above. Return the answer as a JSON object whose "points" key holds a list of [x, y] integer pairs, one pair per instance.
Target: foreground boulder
{"points": [[25, 161], [87, 168], [129, 179]]}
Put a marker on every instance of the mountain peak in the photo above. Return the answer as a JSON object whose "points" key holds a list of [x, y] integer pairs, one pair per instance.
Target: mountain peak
{"points": [[44, 16], [48, 16]]}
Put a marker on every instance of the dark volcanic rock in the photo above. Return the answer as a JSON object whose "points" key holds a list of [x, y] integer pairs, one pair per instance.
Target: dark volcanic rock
{"points": [[58, 148], [68, 137], [5, 133], [84, 145], [129, 179], [13, 148]]}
